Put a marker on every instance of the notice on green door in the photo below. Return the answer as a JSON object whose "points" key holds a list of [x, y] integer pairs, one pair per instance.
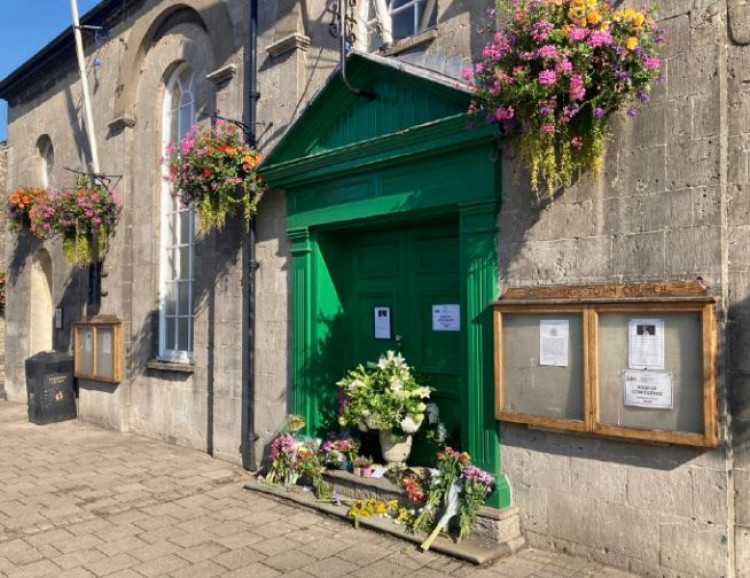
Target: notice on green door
{"points": [[446, 318], [382, 322]]}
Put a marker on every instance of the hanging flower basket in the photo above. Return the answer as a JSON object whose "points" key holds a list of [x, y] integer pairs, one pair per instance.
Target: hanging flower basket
{"points": [[555, 72], [86, 217], [214, 169], [27, 211]]}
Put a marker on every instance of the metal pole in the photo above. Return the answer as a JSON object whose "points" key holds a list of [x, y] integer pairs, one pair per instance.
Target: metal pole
{"points": [[342, 53], [250, 265], [85, 89]]}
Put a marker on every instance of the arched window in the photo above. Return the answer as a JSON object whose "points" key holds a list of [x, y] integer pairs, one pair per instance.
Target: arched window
{"points": [[177, 232], [41, 311], [46, 160]]}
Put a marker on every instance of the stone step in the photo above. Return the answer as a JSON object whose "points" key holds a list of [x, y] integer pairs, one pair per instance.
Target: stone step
{"points": [[498, 532], [495, 525]]}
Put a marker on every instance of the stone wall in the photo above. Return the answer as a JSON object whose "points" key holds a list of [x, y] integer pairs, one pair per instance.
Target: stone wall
{"points": [[736, 139], [197, 405], [658, 211], [3, 192]]}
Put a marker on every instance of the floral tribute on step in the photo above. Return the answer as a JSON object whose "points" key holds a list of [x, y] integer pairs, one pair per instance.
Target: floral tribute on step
{"points": [[553, 74], [444, 500]]}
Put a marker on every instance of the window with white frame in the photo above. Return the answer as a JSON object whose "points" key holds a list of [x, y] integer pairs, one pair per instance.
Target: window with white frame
{"points": [[46, 160], [384, 22], [177, 232]]}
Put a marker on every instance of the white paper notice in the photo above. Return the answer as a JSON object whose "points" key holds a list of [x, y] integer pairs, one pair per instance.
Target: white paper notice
{"points": [[382, 322], [106, 343], [87, 338], [651, 389], [554, 339], [646, 344], [446, 318]]}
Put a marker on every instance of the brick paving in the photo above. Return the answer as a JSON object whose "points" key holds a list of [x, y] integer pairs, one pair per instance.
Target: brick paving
{"points": [[81, 502]]}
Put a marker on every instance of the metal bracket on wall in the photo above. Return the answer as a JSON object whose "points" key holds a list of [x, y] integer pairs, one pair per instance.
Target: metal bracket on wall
{"points": [[246, 128]]}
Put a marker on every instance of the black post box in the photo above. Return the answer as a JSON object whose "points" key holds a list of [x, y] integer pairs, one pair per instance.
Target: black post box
{"points": [[49, 384]]}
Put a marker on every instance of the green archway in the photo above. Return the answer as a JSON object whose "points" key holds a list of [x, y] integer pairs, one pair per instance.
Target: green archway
{"points": [[405, 157]]}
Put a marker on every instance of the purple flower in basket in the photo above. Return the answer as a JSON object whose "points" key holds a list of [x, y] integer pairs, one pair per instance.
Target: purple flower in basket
{"points": [[475, 474]]}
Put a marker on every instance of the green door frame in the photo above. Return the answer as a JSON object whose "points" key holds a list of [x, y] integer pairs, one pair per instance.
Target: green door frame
{"points": [[435, 169]]}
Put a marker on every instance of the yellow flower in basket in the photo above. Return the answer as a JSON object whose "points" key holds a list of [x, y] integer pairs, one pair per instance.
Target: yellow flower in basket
{"points": [[632, 43]]}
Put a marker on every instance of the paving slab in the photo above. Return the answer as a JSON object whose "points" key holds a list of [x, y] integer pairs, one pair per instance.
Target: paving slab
{"points": [[79, 501]]}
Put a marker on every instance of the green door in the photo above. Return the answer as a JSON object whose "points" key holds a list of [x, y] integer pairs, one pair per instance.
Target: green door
{"points": [[403, 293]]}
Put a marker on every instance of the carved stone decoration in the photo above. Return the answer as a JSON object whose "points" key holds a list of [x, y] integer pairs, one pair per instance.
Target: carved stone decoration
{"points": [[738, 12]]}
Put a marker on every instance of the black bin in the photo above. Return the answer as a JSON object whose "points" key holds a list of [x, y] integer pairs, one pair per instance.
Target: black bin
{"points": [[49, 384]]}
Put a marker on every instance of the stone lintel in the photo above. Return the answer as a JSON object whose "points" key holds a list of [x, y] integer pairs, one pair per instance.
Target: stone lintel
{"points": [[425, 37], [222, 74], [295, 41]]}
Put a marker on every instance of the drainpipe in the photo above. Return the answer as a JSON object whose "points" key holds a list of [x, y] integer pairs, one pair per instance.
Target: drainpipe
{"points": [[342, 54], [250, 265]]}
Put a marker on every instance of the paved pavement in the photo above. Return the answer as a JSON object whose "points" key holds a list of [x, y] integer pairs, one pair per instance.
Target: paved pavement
{"points": [[77, 502]]}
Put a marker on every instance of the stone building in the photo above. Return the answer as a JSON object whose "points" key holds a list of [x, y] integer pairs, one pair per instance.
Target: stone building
{"points": [[351, 180], [3, 179]]}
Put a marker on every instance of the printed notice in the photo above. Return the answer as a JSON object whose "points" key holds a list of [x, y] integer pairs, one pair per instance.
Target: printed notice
{"points": [[651, 389], [87, 338], [554, 340], [106, 343], [446, 318], [646, 344], [382, 322]]}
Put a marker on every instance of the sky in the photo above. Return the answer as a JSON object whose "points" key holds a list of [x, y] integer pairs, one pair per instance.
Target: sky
{"points": [[26, 27]]}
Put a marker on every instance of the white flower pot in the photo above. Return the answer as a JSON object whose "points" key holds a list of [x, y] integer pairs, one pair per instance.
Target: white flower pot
{"points": [[395, 447]]}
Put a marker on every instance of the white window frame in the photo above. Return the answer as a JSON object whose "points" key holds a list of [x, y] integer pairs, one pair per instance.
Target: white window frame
{"points": [[171, 352], [45, 168], [375, 20]]}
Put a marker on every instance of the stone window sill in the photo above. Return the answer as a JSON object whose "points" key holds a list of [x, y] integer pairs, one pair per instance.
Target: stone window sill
{"points": [[425, 37], [157, 365]]}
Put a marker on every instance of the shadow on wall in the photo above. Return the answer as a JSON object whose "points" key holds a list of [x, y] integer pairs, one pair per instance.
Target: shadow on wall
{"points": [[216, 254], [739, 381], [72, 297], [324, 51]]}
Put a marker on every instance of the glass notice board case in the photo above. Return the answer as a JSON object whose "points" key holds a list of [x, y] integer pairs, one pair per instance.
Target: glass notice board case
{"points": [[628, 361]]}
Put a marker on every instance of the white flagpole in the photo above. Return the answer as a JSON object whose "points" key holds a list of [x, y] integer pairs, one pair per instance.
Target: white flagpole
{"points": [[85, 89]]}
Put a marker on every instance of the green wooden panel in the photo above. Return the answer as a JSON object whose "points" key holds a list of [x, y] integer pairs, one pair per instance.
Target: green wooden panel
{"points": [[397, 107], [421, 184], [336, 118]]}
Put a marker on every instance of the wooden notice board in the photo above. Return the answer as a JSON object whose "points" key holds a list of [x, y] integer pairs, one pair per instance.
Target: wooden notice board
{"points": [[98, 350], [629, 361]]}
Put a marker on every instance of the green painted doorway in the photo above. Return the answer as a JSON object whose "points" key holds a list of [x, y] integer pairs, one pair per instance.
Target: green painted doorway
{"points": [[402, 292], [350, 168]]}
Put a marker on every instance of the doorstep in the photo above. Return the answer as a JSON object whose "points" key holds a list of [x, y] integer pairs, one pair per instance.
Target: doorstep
{"points": [[498, 532]]}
